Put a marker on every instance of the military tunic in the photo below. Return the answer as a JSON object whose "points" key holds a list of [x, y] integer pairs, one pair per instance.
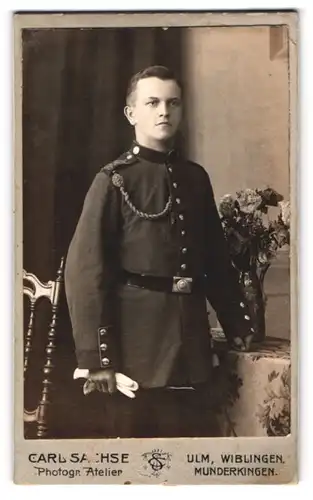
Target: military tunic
{"points": [[152, 214]]}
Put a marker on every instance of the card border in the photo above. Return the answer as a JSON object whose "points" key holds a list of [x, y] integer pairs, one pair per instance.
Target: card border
{"points": [[130, 19]]}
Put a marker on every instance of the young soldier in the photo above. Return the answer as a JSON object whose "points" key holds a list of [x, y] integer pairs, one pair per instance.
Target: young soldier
{"points": [[147, 252]]}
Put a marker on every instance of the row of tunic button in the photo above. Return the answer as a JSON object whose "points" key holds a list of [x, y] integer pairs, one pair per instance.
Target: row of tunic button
{"points": [[181, 217], [184, 250], [103, 346], [135, 151]]}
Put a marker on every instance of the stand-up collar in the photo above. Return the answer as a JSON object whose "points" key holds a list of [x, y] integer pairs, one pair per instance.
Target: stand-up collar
{"points": [[153, 155]]}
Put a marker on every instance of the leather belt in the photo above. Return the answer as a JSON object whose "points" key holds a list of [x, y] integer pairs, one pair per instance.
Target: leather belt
{"points": [[175, 284]]}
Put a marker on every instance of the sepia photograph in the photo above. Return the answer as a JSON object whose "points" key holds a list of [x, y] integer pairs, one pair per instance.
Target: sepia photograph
{"points": [[156, 275]]}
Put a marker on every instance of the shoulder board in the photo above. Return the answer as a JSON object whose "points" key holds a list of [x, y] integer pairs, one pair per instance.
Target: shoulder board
{"points": [[124, 160]]}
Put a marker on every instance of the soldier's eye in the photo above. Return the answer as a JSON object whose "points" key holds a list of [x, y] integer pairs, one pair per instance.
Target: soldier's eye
{"points": [[152, 103]]}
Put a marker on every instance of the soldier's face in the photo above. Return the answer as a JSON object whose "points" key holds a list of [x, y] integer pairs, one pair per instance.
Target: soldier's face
{"points": [[155, 111]]}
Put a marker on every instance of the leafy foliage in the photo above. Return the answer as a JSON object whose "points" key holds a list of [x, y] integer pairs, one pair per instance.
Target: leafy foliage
{"points": [[252, 238]]}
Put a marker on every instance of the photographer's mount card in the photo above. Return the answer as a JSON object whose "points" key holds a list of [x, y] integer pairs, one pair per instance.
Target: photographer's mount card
{"points": [[156, 248]]}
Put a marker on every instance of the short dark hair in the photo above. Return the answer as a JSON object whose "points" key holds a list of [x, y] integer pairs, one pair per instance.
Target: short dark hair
{"points": [[161, 72]]}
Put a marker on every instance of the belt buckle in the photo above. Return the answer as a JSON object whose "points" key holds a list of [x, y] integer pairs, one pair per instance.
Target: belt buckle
{"points": [[181, 284]]}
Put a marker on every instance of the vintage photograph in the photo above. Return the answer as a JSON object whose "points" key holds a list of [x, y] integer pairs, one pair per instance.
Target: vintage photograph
{"points": [[156, 221]]}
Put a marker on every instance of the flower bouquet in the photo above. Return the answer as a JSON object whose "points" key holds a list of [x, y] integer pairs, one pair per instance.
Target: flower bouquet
{"points": [[254, 240]]}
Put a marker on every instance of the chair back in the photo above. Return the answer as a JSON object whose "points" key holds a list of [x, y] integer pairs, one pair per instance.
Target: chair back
{"points": [[37, 291]]}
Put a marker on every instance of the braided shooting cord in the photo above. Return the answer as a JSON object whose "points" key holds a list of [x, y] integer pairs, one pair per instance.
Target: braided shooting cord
{"points": [[118, 181]]}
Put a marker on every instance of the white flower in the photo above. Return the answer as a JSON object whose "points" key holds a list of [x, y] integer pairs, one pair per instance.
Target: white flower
{"points": [[249, 200], [227, 206]]}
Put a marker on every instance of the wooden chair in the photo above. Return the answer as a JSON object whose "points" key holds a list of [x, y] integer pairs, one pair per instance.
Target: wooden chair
{"points": [[36, 291]]}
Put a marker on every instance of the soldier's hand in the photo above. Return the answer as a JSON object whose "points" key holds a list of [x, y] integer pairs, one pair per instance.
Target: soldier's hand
{"points": [[242, 344], [104, 380]]}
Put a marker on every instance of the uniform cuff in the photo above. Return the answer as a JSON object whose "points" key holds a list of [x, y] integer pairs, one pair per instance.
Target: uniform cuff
{"points": [[89, 360], [102, 356]]}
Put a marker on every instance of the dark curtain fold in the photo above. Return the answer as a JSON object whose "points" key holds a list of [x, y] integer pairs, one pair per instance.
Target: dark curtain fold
{"points": [[74, 84]]}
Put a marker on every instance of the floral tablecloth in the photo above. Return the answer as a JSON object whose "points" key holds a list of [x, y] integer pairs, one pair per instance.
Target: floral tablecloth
{"points": [[257, 389]]}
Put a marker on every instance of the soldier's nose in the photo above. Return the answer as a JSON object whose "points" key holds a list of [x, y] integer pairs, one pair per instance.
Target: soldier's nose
{"points": [[164, 110]]}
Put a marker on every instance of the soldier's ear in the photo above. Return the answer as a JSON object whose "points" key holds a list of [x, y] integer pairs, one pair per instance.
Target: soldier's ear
{"points": [[130, 115]]}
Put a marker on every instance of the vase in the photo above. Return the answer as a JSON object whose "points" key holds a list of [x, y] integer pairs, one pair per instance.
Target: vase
{"points": [[253, 288]]}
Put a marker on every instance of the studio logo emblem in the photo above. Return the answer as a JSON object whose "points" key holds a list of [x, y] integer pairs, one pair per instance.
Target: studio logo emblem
{"points": [[155, 462]]}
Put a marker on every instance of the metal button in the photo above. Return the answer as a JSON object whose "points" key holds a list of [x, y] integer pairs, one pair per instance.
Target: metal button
{"points": [[103, 347], [136, 150], [175, 185], [252, 330], [183, 232], [242, 304], [181, 216], [182, 284], [183, 266], [178, 201], [247, 317], [184, 250], [102, 331], [170, 169], [105, 361]]}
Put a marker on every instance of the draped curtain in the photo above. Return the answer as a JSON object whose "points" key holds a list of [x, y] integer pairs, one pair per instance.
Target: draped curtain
{"points": [[74, 85]]}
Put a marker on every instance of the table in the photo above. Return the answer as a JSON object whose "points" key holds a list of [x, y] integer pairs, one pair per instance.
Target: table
{"points": [[254, 389]]}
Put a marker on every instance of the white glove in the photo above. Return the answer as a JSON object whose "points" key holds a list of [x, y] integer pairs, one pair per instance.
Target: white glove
{"points": [[123, 384]]}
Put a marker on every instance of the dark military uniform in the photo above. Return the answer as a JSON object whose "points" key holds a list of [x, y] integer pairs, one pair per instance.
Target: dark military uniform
{"points": [[147, 252]]}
